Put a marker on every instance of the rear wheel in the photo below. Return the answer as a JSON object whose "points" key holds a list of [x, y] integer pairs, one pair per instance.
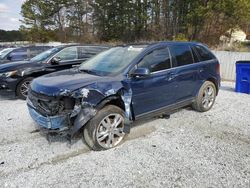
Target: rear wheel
{"points": [[23, 88], [206, 97], [106, 129]]}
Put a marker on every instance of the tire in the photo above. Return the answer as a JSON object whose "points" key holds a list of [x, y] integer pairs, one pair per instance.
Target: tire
{"points": [[22, 88], [101, 132], [206, 97]]}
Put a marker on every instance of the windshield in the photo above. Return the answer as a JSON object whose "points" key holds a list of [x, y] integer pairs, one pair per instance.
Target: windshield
{"points": [[111, 61], [4, 52], [44, 55]]}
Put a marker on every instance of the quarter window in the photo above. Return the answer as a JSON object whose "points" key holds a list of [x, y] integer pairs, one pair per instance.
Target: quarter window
{"points": [[67, 54], [204, 53], [157, 60], [183, 55]]}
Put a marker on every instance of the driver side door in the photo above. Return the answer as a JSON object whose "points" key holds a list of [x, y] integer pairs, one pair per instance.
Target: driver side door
{"points": [[157, 90]]}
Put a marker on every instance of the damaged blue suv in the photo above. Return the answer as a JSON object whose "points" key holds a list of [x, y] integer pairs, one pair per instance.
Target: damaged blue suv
{"points": [[108, 92]]}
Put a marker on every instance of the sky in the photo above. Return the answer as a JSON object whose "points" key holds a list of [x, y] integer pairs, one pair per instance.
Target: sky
{"points": [[10, 14]]}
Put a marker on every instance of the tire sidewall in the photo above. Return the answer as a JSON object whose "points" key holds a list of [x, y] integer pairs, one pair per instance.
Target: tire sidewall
{"points": [[200, 96], [90, 129], [18, 89]]}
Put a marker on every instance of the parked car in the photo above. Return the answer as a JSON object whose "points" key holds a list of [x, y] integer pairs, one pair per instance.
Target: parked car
{"points": [[16, 76], [5, 51], [123, 84], [22, 53]]}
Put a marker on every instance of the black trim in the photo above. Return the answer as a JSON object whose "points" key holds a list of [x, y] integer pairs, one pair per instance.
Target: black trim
{"points": [[165, 109], [242, 62]]}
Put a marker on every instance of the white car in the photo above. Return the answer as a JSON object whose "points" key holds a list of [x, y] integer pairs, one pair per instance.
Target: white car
{"points": [[5, 51]]}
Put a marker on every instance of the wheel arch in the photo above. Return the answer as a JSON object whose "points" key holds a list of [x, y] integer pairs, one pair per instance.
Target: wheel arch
{"points": [[118, 100], [26, 75], [215, 82], [20, 81], [115, 100]]}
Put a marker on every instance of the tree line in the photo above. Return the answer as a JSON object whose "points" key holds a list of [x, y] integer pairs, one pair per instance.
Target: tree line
{"points": [[132, 20], [11, 36]]}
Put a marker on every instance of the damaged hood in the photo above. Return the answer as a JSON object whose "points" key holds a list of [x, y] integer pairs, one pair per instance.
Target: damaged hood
{"points": [[64, 81]]}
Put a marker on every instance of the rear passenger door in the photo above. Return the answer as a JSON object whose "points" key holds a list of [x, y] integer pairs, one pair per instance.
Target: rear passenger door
{"points": [[187, 72]]}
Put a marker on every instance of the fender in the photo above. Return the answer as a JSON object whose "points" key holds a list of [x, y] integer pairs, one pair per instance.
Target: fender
{"points": [[88, 110]]}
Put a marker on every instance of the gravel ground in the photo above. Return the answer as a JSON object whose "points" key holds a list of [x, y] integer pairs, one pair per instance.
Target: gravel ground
{"points": [[190, 149]]}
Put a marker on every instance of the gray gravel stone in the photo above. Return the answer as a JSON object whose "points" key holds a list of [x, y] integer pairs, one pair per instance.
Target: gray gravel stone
{"points": [[190, 149]]}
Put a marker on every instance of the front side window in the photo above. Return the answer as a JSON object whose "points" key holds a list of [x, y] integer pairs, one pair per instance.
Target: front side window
{"points": [[67, 54], [204, 54], [157, 60], [183, 55]]}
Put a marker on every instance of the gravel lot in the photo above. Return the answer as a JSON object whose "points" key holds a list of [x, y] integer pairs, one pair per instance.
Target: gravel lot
{"points": [[190, 149]]}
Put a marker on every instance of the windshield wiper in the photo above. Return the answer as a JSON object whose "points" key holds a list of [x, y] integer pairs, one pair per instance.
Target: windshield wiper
{"points": [[88, 71]]}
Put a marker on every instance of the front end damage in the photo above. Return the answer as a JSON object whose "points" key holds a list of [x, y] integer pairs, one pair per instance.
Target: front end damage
{"points": [[67, 112]]}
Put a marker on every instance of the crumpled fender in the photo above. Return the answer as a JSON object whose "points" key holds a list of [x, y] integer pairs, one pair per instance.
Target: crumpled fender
{"points": [[94, 97]]}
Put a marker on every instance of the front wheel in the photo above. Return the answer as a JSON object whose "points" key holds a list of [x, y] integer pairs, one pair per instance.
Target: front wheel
{"points": [[23, 88], [206, 97], [106, 129]]}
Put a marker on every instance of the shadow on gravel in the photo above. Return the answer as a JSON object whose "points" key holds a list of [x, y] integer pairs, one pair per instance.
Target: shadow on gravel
{"points": [[7, 95], [138, 129]]}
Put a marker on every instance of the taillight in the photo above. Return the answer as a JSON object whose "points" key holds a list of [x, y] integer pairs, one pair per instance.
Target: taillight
{"points": [[218, 68]]}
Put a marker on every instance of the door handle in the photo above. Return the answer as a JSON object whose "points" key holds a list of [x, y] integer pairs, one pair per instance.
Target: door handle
{"points": [[201, 70], [171, 76]]}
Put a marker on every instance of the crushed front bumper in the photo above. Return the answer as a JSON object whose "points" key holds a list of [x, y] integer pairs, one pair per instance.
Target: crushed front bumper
{"points": [[60, 122]]}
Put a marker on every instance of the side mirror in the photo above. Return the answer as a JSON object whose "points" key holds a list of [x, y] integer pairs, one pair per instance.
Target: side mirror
{"points": [[9, 57], [140, 73], [55, 61]]}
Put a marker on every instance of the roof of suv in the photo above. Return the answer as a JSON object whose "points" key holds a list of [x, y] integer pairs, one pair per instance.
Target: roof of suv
{"points": [[89, 45], [147, 44]]}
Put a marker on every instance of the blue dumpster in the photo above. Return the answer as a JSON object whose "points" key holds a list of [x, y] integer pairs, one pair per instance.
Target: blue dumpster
{"points": [[243, 77]]}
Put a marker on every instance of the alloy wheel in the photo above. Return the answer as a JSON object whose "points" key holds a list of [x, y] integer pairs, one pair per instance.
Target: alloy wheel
{"points": [[110, 131], [25, 88], [208, 97]]}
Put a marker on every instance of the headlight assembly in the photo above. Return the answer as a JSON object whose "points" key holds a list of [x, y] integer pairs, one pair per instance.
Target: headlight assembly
{"points": [[8, 74]]}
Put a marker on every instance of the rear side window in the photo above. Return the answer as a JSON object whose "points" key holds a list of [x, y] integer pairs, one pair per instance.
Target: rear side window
{"points": [[157, 60], [183, 55], [203, 53], [88, 51], [35, 50]]}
